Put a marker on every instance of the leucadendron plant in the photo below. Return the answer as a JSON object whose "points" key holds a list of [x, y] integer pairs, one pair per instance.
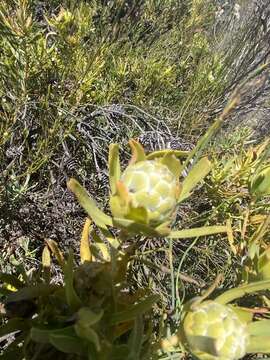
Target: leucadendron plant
{"points": [[91, 315], [144, 197], [220, 330]]}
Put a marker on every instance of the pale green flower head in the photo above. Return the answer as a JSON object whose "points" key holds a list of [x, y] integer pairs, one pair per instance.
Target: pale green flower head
{"points": [[215, 332], [151, 185]]}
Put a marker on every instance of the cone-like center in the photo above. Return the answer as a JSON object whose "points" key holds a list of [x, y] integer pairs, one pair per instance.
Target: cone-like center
{"points": [[153, 186], [215, 332]]}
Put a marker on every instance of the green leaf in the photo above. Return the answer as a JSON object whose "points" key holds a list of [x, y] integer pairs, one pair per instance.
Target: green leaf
{"points": [[85, 251], [259, 344], [196, 232], [264, 265], [46, 264], [134, 310], [11, 280], [63, 339], [68, 344], [260, 183], [114, 166], [241, 291], [85, 332], [172, 163], [259, 328], [53, 246], [42, 335], [196, 174], [135, 340], [88, 318], [102, 247], [46, 258], [32, 292], [89, 205], [72, 298], [137, 151]]}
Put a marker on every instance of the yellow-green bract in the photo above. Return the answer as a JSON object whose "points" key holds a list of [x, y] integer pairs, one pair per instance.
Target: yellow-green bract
{"points": [[150, 185], [214, 332]]}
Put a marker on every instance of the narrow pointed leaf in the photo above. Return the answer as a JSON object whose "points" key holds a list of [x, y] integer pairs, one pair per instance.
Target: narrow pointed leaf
{"points": [[89, 205], [46, 264], [230, 236], [68, 344], [85, 251], [122, 192], [85, 332], [46, 257], [72, 298], [114, 166], [88, 318], [118, 207], [173, 164], [101, 246], [137, 151], [42, 335], [56, 251], [260, 184], [196, 175], [241, 291], [264, 259], [196, 232]]}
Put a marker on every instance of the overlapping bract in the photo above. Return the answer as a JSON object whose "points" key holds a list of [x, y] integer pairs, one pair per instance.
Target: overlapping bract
{"points": [[144, 196], [149, 185], [220, 324]]}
